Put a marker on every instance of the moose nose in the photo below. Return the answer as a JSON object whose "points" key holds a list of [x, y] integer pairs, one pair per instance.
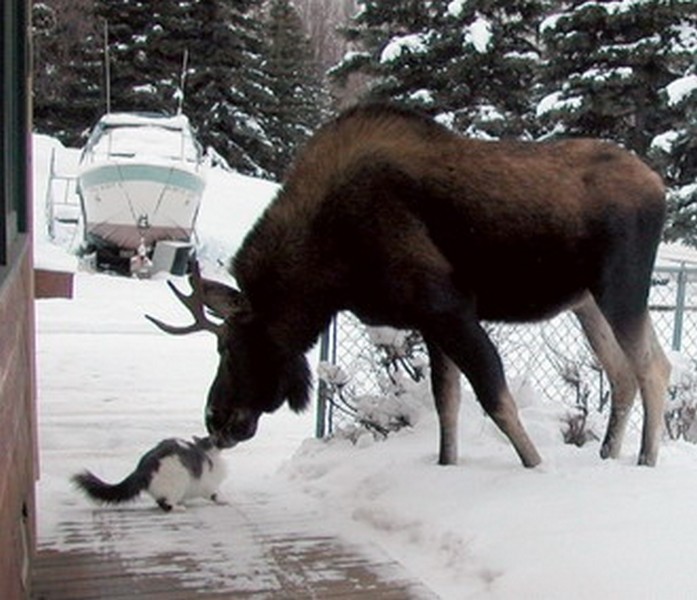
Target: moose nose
{"points": [[215, 420], [228, 429]]}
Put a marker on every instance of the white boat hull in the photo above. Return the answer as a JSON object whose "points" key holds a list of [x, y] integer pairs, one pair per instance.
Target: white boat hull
{"points": [[130, 203]]}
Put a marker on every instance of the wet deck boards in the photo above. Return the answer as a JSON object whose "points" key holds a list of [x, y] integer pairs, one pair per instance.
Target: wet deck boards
{"points": [[276, 554]]}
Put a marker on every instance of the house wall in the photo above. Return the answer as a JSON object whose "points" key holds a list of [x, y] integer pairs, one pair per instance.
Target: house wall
{"points": [[18, 450], [18, 454]]}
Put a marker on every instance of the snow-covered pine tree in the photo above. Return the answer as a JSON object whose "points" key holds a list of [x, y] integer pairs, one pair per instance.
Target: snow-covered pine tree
{"points": [[302, 101], [621, 70], [494, 53], [227, 92], [675, 150], [130, 64], [391, 37], [469, 62], [607, 62], [68, 69]]}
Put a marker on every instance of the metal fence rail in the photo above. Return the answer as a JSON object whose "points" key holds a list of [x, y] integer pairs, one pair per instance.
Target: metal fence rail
{"points": [[552, 356]]}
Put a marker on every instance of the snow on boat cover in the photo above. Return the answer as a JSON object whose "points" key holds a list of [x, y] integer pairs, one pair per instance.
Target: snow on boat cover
{"points": [[140, 181]]}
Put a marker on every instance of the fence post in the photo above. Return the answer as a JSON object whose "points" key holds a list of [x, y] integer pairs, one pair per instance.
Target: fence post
{"points": [[679, 308], [327, 353]]}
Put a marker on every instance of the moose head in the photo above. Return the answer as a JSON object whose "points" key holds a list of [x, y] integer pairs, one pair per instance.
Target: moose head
{"points": [[254, 375]]}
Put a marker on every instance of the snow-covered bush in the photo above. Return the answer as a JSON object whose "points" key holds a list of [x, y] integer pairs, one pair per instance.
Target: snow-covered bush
{"points": [[681, 409], [399, 361]]}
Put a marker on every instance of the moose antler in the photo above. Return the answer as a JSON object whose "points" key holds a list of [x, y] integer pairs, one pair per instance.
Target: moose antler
{"points": [[196, 305]]}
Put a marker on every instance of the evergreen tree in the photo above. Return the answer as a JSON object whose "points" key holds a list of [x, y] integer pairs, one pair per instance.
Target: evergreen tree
{"points": [[675, 150], [470, 62], [611, 72], [68, 69], [227, 92], [494, 53], [301, 99], [131, 85], [607, 63]]}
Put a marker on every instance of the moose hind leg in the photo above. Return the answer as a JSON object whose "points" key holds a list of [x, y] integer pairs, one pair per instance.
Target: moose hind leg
{"points": [[445, 382], [651, 368], [623, 382], [653, 372]]}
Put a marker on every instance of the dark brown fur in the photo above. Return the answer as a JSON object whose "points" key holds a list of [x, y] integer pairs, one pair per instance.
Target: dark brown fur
{"points": [[389, 215]]}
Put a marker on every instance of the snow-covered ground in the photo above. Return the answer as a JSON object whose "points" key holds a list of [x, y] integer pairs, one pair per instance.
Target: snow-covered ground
{"points": [[111, 385]]}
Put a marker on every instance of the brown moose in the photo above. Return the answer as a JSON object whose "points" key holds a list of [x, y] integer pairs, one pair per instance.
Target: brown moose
{"points": [[390, 215]]}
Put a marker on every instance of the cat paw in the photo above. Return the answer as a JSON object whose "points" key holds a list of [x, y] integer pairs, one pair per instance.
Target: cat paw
{"points": [[219, 500], [167, 507], [164, 505]]}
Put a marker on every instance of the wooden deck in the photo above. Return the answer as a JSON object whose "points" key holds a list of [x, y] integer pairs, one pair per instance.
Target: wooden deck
{"points": [[139, 553]]}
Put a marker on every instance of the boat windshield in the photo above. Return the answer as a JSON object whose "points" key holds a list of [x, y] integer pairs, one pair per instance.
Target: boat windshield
{"points": [[164, 139]]}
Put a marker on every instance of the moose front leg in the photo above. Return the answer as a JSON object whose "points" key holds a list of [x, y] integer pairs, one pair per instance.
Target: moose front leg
{"points": [[445, 382], [464, 340]]}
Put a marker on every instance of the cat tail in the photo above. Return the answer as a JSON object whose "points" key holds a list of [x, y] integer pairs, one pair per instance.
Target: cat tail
{"points": [[106, 493]]}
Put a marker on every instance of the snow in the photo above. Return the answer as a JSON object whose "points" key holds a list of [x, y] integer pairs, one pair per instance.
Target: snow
{"points": [[685, 193], [613, 7], [446, 118], [478, 33], [550, 22], [557, 101], [413, 43], [686, 33], [665, 141], [176, 122], [423, 96], [456, 8], [680, 89], [230, 206], [676, 253], [601, 75], [159, 139], [47, 255], [110, 386], [350, 57]]}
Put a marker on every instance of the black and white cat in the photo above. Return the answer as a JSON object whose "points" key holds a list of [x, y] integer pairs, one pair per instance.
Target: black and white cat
{"points": [[173, 471]]}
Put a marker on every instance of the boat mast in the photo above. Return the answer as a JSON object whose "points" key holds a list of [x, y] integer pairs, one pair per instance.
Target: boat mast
{"points": [[107, 67], [182, 82]]}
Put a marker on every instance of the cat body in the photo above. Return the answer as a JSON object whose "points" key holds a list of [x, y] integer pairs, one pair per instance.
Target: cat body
{"points": [[172, 472]]}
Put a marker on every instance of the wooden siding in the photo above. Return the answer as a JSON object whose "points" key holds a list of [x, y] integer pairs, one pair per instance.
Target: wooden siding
{"points": [[18, 466]]}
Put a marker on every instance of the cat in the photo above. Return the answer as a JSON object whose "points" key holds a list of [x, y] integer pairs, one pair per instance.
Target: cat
{"points": [[173, 471]]}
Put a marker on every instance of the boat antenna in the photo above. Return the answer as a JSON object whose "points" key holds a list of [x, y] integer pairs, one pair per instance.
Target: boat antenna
{"points": [[107, 67], [182, 82]]}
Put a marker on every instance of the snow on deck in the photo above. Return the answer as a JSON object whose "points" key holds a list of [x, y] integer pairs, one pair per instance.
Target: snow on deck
{"points": [[263, 551]]}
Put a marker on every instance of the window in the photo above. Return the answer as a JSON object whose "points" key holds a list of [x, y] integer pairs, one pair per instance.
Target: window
{"points": [[14, 115]]}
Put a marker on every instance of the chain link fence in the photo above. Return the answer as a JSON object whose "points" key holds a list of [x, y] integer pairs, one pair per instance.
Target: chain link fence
{"points": [[553, 357]]}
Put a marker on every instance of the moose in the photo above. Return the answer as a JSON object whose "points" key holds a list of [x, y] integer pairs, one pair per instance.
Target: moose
{"points": [[390, 215]]}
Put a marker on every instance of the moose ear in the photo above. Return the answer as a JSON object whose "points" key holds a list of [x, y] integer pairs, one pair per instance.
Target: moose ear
{"points": [[297, 383], [221, 299]]}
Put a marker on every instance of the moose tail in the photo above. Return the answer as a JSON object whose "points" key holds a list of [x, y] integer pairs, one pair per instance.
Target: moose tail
{"points": [[106, 493]]}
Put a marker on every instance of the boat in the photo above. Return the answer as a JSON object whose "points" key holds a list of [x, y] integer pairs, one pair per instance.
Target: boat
{"points": [[140, 181]]}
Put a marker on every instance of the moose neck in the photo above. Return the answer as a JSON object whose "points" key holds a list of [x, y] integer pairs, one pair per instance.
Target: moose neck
{"points": [[295, 328], [281, 271]]}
